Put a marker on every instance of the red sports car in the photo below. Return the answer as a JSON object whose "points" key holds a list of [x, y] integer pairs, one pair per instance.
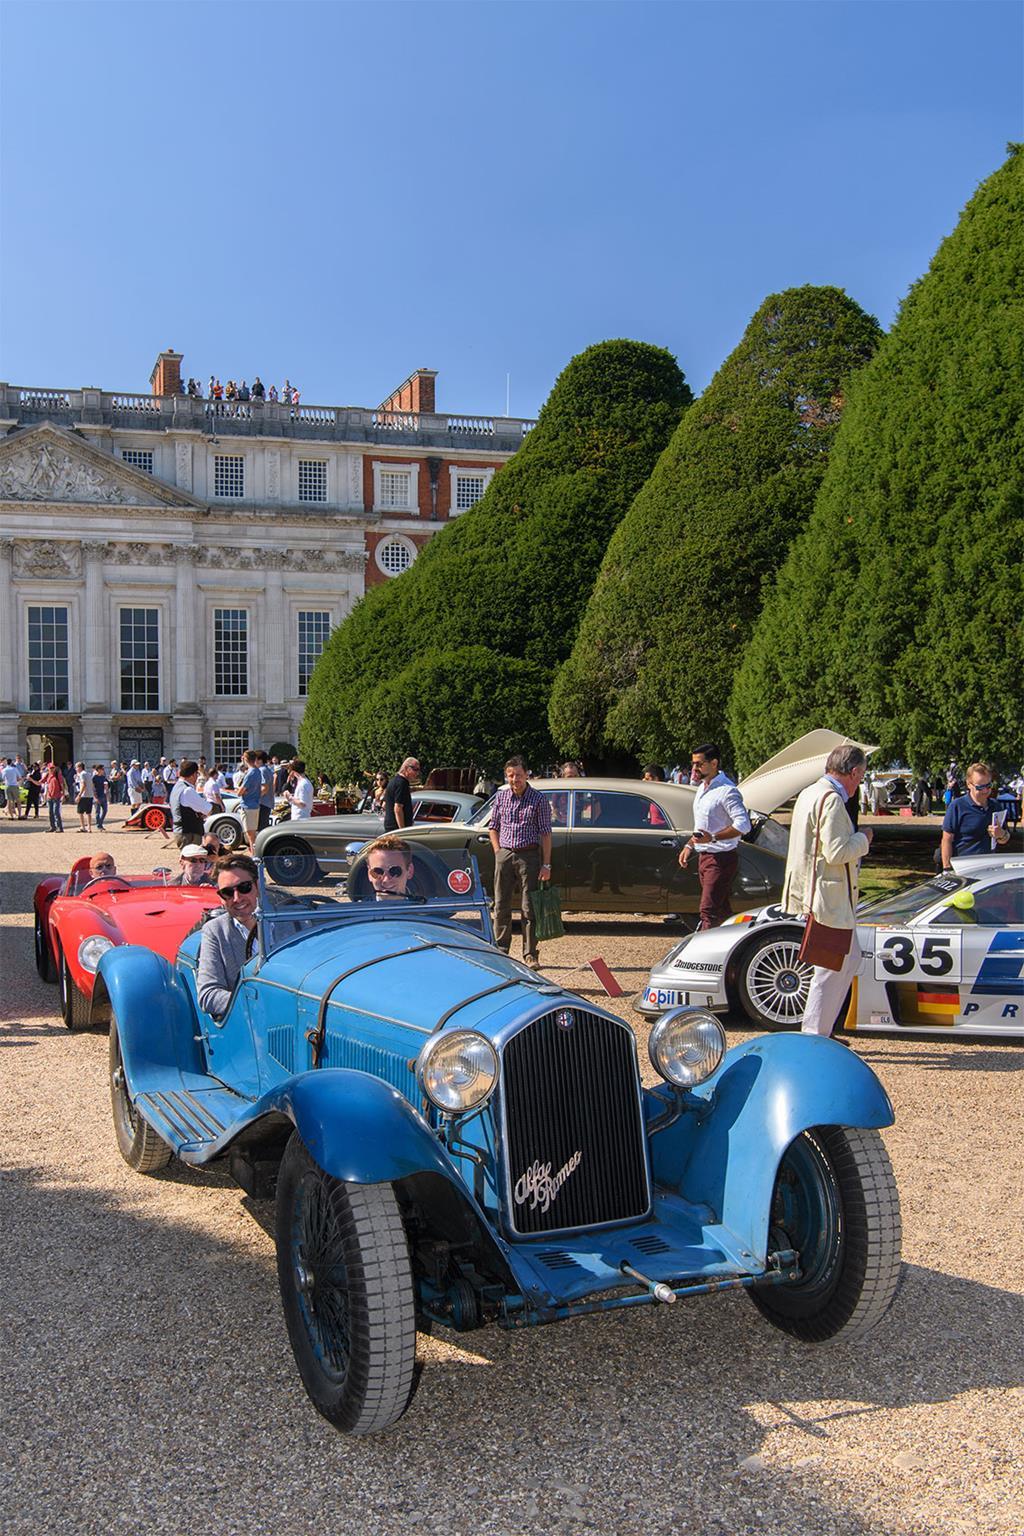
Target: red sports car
{"points": [[78, 917]]}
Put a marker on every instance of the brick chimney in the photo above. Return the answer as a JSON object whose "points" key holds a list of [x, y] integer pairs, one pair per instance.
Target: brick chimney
{"points": [[166, 376], [416, 394]]}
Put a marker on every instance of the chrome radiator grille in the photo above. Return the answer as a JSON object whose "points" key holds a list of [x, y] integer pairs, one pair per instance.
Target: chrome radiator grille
{"points": [[573, 1125]]}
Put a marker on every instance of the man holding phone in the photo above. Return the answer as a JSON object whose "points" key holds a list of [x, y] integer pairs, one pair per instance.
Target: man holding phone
{"points": [[720, 819]]}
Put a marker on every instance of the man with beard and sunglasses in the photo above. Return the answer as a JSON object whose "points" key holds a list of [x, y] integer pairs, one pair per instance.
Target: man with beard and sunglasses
{"points": [[223, 943]]}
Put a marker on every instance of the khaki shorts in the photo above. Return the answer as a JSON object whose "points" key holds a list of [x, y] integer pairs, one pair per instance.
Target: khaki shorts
{"points": [[252, 820]]}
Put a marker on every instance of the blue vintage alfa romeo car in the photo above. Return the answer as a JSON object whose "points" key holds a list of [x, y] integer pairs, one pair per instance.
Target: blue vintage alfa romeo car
{"points": [[455, 1140]]}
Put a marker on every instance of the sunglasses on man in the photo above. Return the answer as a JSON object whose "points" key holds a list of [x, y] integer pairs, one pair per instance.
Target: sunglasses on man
{"points": [[387, 871], [229, 892]]}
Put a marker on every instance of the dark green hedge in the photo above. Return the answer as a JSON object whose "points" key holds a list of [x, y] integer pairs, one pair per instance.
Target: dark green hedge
{"points": [[681, 584], [897, 615], [456, 708], [513, 573]]}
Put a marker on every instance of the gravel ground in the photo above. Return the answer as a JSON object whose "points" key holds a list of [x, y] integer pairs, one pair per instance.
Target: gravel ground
{"points": [[148, 1383]]}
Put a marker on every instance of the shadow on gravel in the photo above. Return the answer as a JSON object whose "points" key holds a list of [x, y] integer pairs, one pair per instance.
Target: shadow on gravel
{"points": [[122, 1304], [1006, 1056], [18, 1032]]}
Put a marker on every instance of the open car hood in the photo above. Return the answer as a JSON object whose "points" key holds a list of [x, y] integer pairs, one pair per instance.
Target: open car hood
{"points": [[792, 769]]}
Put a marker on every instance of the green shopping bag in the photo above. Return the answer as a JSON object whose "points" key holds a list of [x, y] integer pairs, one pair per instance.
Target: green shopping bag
{"points": [[547, 912]]}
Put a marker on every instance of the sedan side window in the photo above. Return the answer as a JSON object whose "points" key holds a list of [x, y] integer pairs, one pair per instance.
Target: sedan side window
{"points": [[605, 811]]}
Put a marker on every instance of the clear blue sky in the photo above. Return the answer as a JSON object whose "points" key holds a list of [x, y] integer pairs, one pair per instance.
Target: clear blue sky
{"points": [[345, 192]]}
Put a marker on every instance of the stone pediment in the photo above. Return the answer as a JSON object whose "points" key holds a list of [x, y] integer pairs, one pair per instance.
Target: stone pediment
{"points": [[49, 464]]}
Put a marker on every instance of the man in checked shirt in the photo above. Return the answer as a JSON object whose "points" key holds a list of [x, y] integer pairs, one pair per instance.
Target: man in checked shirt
{"points": [[520, 830]]}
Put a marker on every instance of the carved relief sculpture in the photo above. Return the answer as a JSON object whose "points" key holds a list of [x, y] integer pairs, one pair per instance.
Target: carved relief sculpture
{"points": [[49, 473], [39, 558]]}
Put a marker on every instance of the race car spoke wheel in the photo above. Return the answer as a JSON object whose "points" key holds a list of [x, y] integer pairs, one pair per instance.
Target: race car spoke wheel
{"points": [[74, 1005], [835, 1201], [44, 964], [347, 1292], [228, 831], [139, 1145], [154, 820], [774, 982], [290, 862]]}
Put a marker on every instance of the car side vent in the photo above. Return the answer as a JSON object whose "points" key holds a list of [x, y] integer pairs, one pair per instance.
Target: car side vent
{"points": [[650, 1244], [281, 1045], [558, 1259]]}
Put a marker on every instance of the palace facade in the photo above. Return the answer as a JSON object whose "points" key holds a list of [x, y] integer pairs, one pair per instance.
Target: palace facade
{"points": [[171, 567]]}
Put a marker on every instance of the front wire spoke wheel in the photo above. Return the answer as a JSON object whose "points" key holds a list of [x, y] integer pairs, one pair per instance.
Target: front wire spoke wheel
{"points": [[347, 1292]]}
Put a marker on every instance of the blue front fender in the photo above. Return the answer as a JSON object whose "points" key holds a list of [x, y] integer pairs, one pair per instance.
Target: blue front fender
{"points": [[360, 1129], [762, 1096], [155, 1018]]}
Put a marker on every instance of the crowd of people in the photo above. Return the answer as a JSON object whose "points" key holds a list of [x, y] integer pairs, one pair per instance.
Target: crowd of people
{"points": [[234, 393], [826, 845]]}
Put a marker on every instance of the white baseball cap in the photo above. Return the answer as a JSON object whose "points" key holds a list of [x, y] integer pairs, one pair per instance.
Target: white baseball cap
{"points": [[194, 851]]}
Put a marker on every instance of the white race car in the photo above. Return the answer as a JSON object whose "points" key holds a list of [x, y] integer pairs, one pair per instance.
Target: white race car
{"points": [[944, 956]]}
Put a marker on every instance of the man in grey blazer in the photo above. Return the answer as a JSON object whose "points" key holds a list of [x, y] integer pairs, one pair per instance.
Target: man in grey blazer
{"points": [[821, 875], [223, 943]]}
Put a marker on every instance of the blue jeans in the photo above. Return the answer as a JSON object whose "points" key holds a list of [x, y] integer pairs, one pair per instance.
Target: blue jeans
{"points": [[56, 820], [101, 811]]}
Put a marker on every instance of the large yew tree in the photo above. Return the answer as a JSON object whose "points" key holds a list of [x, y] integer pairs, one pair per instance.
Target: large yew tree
{"points": [[897, 615], [681, 584], [510, 577]]}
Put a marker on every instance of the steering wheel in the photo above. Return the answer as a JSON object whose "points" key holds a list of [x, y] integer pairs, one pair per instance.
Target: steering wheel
{"points": [[95, 879], [429, 877]]}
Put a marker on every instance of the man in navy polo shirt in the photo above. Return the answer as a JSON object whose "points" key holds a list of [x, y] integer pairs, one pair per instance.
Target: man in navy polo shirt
{"points": [[968, 826], [520, 829]]}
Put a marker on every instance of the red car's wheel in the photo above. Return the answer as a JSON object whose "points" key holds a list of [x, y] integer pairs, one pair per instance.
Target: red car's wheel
{"points": [[74, 1005], [44, 963], [155, 819]]}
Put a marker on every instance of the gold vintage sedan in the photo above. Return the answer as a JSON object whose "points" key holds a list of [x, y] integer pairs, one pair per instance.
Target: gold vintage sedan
{"points": [[616, 842]]}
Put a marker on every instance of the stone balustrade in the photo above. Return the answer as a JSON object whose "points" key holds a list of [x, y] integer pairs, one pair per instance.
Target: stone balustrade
{"points": [[20, 406]]}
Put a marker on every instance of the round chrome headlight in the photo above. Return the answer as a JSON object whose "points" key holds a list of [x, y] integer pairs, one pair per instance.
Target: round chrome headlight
{"points": [[457, 1071], [686, 1046], [91, 951]]}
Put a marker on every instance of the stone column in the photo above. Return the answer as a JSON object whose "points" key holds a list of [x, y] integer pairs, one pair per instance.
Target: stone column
{"points": [[9, 720], [187, 716], [7, 631], [96, 744], [275, 724]]}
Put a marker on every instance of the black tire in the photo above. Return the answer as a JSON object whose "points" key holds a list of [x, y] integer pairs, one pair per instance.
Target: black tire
{"points": [[137, 1142], [75, 1007], [290, 861], [772, 982], [230, 833], [44, 960], [835, 1201], [347, 1292]]}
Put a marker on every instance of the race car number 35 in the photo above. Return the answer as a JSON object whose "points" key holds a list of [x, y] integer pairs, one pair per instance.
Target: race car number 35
{"points": [[906, 955]]}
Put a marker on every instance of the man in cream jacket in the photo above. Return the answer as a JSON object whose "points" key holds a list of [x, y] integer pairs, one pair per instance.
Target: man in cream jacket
{"points": [[822, 833]]}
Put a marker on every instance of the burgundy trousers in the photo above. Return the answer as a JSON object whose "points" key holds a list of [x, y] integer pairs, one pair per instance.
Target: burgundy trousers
{"points": [[716, 872]]}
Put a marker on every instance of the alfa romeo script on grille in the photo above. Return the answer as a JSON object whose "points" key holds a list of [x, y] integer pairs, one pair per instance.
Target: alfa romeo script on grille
{"points": [[538, 1186]]}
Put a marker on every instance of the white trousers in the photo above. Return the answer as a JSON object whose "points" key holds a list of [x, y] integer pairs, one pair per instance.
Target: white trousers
{"points": [[828, 988]]}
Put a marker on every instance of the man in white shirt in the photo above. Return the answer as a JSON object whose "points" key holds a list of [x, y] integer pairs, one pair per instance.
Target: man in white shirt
{"points": [[300, 796], [214, 787], [720, 819], [12, 787]]}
